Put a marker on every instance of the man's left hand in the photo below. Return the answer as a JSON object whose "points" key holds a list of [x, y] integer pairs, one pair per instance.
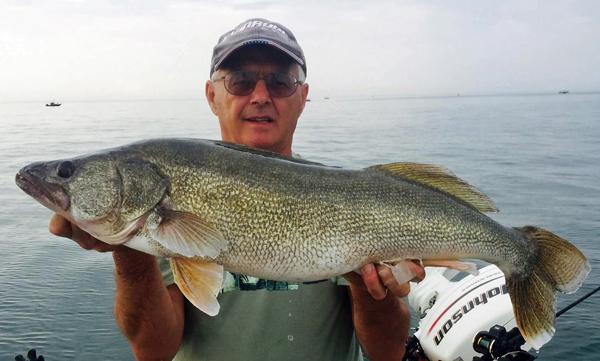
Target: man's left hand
{"points": [[378, 280]]}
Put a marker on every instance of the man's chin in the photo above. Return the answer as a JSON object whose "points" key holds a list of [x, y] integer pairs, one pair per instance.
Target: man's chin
{"points": [[265, 144], [262, 144]]}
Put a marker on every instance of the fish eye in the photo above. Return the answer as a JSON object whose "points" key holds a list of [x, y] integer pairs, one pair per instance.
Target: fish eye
{"points": [[65, 169]]}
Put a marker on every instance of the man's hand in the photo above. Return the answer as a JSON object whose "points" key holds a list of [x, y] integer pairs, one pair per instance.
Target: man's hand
{"points": [[377, 280], [141, 301], [61, 227], [380, 317]]}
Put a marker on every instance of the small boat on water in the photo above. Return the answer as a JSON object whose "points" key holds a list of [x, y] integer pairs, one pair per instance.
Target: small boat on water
{"points": [[563, 92], [53, 104]]}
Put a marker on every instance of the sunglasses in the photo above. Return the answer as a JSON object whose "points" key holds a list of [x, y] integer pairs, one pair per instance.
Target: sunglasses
{"points": [[242, 83]]}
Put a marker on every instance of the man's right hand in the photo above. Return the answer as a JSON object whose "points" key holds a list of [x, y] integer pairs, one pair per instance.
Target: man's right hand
{"points": [[61, 227], [141, 301]]}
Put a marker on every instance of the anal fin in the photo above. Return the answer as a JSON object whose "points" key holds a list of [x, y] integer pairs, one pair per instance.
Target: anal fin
{"points": [[402, 273], [462, 266]]}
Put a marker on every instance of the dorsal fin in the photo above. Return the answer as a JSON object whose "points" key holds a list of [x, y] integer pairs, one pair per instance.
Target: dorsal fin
{"points": [[440, 179]]}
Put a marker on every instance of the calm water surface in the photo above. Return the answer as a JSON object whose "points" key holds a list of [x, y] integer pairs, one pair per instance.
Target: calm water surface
{"points": [[538, 157]]}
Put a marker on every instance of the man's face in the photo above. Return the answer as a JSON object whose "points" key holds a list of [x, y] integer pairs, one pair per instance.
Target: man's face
{"points": [[258, 119]]}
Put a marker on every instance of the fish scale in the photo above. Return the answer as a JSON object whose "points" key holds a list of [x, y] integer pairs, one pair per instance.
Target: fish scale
{"points": [[290, 215]]}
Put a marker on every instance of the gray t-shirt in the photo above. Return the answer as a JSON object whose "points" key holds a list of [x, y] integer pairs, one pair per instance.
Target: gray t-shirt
{"points": [[271, 321]]}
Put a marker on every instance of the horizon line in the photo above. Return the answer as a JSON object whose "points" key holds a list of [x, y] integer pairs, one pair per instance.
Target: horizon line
{"points": [[321, 97]]}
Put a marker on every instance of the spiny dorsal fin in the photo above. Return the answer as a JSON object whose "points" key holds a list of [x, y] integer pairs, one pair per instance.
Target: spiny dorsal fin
{"points": [[441, 179]]}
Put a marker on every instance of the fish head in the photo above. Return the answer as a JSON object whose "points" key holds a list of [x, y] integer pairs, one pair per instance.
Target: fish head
{"points": [[106, 195]]}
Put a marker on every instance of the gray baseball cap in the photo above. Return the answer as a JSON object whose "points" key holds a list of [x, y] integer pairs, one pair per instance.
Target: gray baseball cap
{"points": [[257, 32]]}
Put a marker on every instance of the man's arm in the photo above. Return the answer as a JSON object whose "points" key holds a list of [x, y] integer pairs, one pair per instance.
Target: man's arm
{"points": [[149, 314], [381, 319]]}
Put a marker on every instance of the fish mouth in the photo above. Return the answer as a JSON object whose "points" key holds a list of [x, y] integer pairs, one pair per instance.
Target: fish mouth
{"points": [[50, 195]]}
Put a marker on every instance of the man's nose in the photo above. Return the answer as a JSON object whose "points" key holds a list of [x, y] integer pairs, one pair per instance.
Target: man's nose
{"points": [[260, 94]]}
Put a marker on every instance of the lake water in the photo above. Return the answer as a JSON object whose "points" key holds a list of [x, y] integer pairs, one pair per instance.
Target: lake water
{"points": [[537, 156]]}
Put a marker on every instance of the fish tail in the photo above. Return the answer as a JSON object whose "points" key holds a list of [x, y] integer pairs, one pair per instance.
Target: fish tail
{"points": [[557, 266]]}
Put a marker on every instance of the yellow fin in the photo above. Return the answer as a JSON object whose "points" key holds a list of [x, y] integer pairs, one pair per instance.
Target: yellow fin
{"points": [[200, 282], [441, 179]]}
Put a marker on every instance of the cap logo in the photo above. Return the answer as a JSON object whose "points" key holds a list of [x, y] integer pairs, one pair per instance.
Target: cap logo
{"points": [[253, 24]]}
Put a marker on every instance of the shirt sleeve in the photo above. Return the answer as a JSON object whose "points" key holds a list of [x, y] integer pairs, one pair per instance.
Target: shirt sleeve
{"points": [[165, 270], [340, 281]]}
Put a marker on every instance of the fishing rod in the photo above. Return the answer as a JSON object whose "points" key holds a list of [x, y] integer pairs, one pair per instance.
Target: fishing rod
{"points": [[565, 309]]}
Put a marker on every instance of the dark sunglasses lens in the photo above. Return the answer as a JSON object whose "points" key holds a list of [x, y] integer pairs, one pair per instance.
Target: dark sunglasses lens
{"points": [[243, 83], [281, 84], [240, 82]]}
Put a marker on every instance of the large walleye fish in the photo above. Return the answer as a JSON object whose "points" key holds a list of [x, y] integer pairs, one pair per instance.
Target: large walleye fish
{"points": [[210, 205]]}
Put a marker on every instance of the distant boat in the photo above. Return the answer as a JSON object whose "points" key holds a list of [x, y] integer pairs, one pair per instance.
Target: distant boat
{"points": [[326, 98], [563, 92], [53, 104]]}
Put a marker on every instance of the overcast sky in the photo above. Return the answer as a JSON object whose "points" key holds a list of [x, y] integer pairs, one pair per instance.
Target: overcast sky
{"points": [[151, 49]]}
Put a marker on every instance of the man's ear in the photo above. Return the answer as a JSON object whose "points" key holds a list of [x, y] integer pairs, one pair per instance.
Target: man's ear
{"points": [[209, 91], [304, 91]]}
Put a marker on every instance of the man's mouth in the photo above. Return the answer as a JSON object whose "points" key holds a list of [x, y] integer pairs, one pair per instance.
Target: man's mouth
{"points": [[261, 119]]}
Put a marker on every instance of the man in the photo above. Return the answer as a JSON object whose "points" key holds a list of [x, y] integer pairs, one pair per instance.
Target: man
{"points": [[257, 91]]}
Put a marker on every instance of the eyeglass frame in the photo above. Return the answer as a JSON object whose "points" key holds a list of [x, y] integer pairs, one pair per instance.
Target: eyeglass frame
{"points": [[264, 78]]}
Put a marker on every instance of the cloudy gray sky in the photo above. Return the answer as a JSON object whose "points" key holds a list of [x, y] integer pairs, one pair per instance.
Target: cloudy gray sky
{"points": [[147, 49]]}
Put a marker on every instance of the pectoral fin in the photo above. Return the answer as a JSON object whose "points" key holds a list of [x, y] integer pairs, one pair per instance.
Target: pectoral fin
{"points": [[200, 282], [186, 234]]}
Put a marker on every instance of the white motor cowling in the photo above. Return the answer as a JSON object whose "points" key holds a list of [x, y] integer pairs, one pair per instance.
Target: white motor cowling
{"points": [[454, 309]]}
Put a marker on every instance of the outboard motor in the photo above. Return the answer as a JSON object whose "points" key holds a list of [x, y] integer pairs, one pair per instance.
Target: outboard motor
{"points": [[464, 318]]}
